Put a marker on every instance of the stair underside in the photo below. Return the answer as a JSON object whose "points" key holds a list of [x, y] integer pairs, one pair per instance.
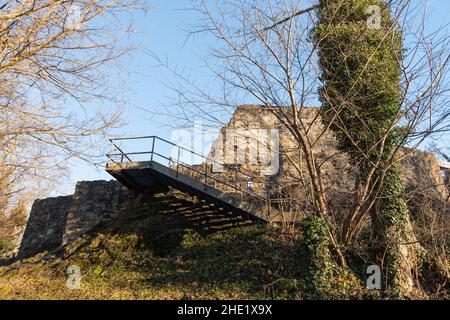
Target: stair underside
{"points": [[155, 177]]}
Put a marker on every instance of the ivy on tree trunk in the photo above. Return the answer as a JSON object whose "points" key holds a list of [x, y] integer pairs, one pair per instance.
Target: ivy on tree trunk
{"points": [[360, 52]]}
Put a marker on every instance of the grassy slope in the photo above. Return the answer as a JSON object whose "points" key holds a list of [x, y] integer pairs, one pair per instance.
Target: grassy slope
{"points": [[170, 252], [177, 248]]}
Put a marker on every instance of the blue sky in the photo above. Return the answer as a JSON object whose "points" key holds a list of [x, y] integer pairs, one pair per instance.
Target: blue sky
{"points": [[163, 31]]}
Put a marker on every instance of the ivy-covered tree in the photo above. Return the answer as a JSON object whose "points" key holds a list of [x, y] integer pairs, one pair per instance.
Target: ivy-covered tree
{"points": [[360, 52]]}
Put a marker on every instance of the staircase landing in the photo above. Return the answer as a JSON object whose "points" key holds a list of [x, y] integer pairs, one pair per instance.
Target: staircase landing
{"points": [[154, 176]]}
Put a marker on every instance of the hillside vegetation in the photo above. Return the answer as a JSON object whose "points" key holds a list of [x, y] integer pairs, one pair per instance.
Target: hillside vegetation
{"points": [[183, 248], [181, 253]]}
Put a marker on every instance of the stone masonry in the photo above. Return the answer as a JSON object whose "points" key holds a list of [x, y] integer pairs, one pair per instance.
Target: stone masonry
{"points": [[420, 170], [55, 221]]}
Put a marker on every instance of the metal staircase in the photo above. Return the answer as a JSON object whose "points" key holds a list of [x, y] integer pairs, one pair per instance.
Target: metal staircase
{"points": [[157, 171]]}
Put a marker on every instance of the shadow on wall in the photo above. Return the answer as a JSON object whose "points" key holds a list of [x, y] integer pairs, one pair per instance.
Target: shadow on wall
{"points": [[56, 221], [46, 225], [164, 226]]}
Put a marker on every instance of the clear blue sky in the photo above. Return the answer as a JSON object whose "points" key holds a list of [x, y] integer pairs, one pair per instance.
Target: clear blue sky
{"points": [[163, 31]]}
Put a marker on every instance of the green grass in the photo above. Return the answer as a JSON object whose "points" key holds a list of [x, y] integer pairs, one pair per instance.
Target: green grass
{"points": [[6, 244], [189, 251]]}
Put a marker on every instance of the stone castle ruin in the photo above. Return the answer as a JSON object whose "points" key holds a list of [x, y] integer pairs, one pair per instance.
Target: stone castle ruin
{"points": [[255, 151], [271, 157]]}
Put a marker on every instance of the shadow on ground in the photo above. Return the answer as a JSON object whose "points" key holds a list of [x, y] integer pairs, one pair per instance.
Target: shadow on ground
{"points": [[177, 248]]}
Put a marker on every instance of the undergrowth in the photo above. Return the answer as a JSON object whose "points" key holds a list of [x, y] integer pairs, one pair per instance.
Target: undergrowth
{"points": [[167, 255]]}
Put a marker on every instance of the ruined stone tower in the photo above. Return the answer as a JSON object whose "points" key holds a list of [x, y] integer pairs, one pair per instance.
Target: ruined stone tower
{"points": [[253, 150]]}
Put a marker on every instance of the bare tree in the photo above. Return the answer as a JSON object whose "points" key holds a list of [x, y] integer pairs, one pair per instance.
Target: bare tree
{"points": [[56, 58], [264, 54]]}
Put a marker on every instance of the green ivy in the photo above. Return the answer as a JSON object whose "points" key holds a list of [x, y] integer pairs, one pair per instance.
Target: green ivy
{"points": [[319, 264], [360, 72]]}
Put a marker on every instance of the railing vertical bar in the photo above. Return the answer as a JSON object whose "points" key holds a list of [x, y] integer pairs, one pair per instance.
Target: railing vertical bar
{"points": [[206, 173], [178, 160], [153, 149]]}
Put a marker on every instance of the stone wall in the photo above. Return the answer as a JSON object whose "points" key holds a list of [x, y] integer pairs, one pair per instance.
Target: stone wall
{"points": [[45, 226], [420, 170], [55, 221]]}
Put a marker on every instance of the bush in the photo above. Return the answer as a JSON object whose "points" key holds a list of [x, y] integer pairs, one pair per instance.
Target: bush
{"points": [[6, 245]]}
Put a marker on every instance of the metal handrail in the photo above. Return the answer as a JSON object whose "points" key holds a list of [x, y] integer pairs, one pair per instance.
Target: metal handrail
{"points": [[127, 155], [163, 140], [213, 177], [152, 152], [154, 138]]}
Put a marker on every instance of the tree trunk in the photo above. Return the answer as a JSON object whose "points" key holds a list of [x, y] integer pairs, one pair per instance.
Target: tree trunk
{"points": [[396, 248]]}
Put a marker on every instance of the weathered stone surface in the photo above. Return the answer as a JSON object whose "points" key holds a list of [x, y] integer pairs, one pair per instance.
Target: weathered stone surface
{"points": [[45, 226], [420, 170], [55, 221], [59, 220]]}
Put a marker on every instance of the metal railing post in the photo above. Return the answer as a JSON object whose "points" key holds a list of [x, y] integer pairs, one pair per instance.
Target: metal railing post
{"points": [[178, 159], [111, 151], [153, 149], [206, 172]]}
